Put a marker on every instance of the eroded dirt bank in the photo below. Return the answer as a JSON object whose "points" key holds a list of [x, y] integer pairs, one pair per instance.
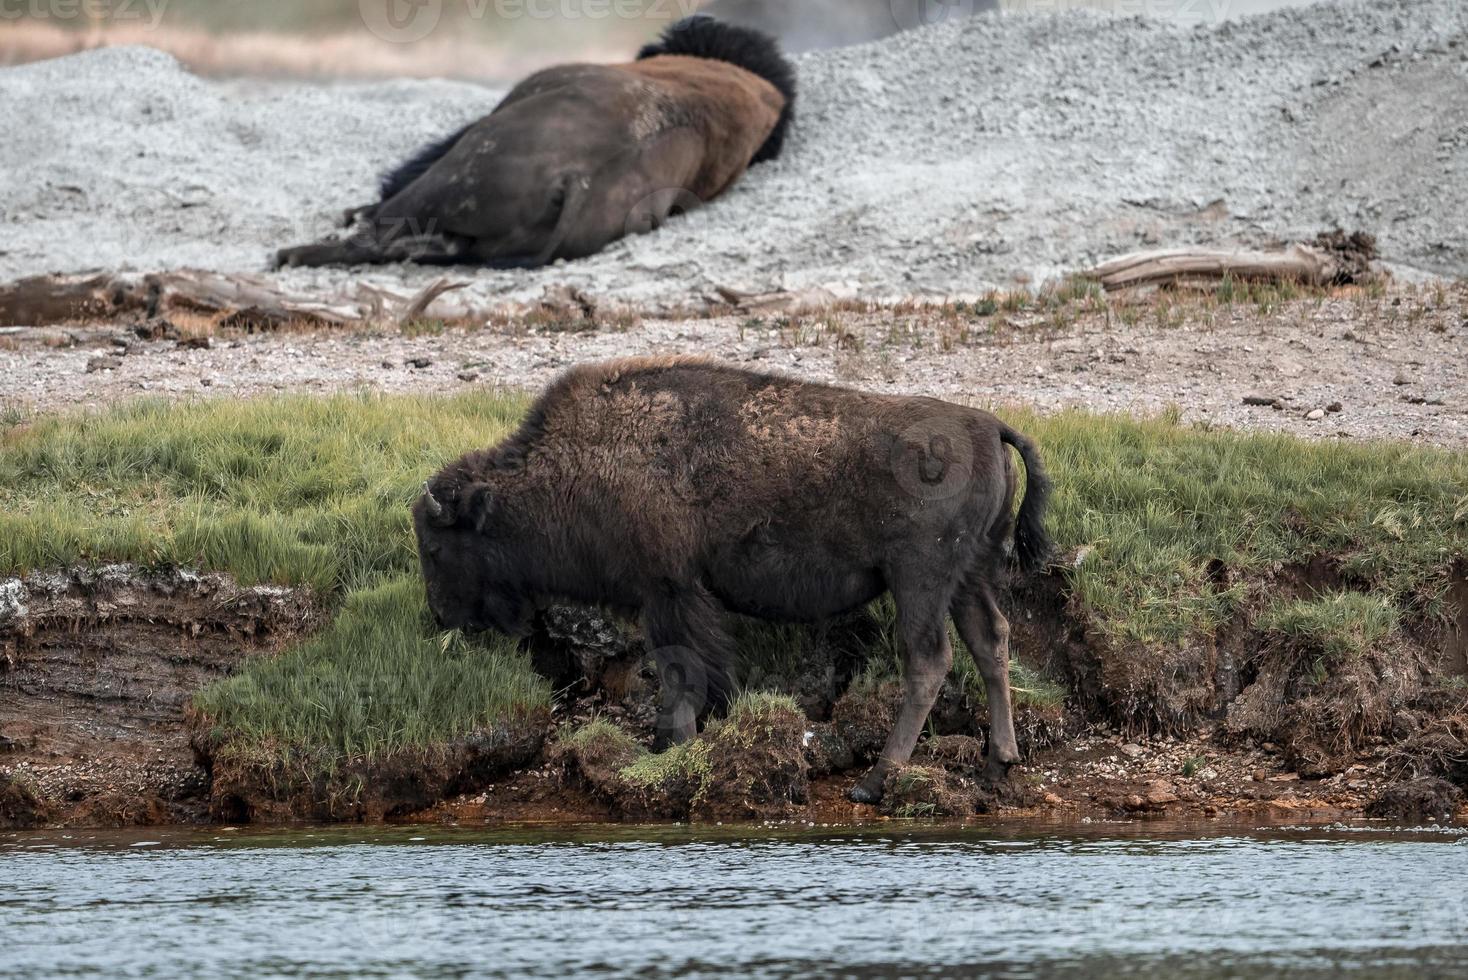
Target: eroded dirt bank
{"points": [[100, 666], [97, 667]]}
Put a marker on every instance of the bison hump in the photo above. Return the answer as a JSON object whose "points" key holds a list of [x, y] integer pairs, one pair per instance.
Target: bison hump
{"points": [[702, 36]]}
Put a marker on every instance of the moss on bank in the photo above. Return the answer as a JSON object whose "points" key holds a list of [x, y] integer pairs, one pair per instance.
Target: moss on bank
{"points": [[1171, 535]]}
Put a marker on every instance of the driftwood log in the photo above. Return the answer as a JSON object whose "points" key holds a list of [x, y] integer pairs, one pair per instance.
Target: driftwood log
{"points": [[1333, 258], [243, 301]]}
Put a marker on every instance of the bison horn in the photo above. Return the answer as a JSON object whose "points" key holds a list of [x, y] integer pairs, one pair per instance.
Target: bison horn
{"points": [[435, 509]]}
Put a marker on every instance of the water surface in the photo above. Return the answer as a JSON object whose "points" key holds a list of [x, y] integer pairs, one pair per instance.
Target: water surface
{"points": [[656, 902]]}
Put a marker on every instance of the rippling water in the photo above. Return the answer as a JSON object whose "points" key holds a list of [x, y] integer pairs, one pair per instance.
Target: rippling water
{"points": [[860, 902]]}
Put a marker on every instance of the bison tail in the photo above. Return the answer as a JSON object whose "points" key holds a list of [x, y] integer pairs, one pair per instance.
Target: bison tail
{"points": [[704, 36], [1032, 544]]}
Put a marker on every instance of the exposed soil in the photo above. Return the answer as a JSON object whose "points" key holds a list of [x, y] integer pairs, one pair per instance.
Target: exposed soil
{"points": [[100, 665], [96, 670]]}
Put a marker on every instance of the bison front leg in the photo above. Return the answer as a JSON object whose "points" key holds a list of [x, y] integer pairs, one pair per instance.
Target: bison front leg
{"points": [[684, 630], [927, 655]]}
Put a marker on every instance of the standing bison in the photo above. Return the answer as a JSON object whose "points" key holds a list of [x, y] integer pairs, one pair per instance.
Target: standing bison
{"points": [[577, 156], [679, 489]]}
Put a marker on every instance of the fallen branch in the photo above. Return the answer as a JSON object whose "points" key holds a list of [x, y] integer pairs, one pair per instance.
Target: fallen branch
{"points": [[43, 300], [1334, 259], [243, 302]]}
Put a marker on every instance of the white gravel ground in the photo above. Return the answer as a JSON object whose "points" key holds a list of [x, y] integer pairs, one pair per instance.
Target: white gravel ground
{"points": [[942, 162]]}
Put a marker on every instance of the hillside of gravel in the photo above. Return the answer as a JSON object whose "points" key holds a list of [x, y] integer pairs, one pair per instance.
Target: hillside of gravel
{"points": [[943, 162]]}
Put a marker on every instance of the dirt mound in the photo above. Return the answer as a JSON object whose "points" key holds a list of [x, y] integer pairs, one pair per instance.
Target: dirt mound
{"points": [[268, 784], [748, 765], [943, 161], [1418, 801]]}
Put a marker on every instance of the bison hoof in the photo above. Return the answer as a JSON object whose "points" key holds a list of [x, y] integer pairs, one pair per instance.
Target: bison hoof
{"points": [[862, 793], [997, 770]]}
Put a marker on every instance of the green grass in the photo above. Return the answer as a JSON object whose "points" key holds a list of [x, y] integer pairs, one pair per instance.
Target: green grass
{"points": [[376, 679], [1340, 624], [1155, 508], [295, 491], [315, 492]]}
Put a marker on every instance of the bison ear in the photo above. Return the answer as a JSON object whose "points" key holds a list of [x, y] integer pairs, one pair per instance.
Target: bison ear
{"points": [[479, 506]]}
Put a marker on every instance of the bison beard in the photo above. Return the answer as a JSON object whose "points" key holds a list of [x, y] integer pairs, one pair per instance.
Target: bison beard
{"points": [[679, 489], [578, 156]]}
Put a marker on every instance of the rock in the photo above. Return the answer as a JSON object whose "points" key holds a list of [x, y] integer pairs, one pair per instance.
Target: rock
{"points": [[389, 365], [1315, 414], [1266, 400], [1132, 750], [103, 363], [195, 343], [1334, 407], [1160, 793], [468, 376], [1154, 797], [419, 362], [1401, 379]]}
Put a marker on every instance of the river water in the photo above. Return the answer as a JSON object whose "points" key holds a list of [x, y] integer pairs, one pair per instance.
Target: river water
{"points": [[889, 900]]}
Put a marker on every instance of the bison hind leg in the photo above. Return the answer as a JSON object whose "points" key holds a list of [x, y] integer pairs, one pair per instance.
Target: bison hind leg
{"points": [[922, 625], [985, 632]]}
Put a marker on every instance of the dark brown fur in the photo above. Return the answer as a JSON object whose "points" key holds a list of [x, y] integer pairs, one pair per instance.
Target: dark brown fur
{"points": [[578, 156], [679, 488]]}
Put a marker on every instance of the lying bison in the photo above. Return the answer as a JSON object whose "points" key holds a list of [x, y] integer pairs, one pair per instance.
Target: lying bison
{"points": [[679, 488], [575, 157]]}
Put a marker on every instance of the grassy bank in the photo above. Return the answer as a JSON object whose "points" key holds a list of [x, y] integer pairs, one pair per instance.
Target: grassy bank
{"points": [[1171, 533]]}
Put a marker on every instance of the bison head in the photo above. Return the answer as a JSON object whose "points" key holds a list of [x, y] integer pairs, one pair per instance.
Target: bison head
{"points": [[470, 578]]}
